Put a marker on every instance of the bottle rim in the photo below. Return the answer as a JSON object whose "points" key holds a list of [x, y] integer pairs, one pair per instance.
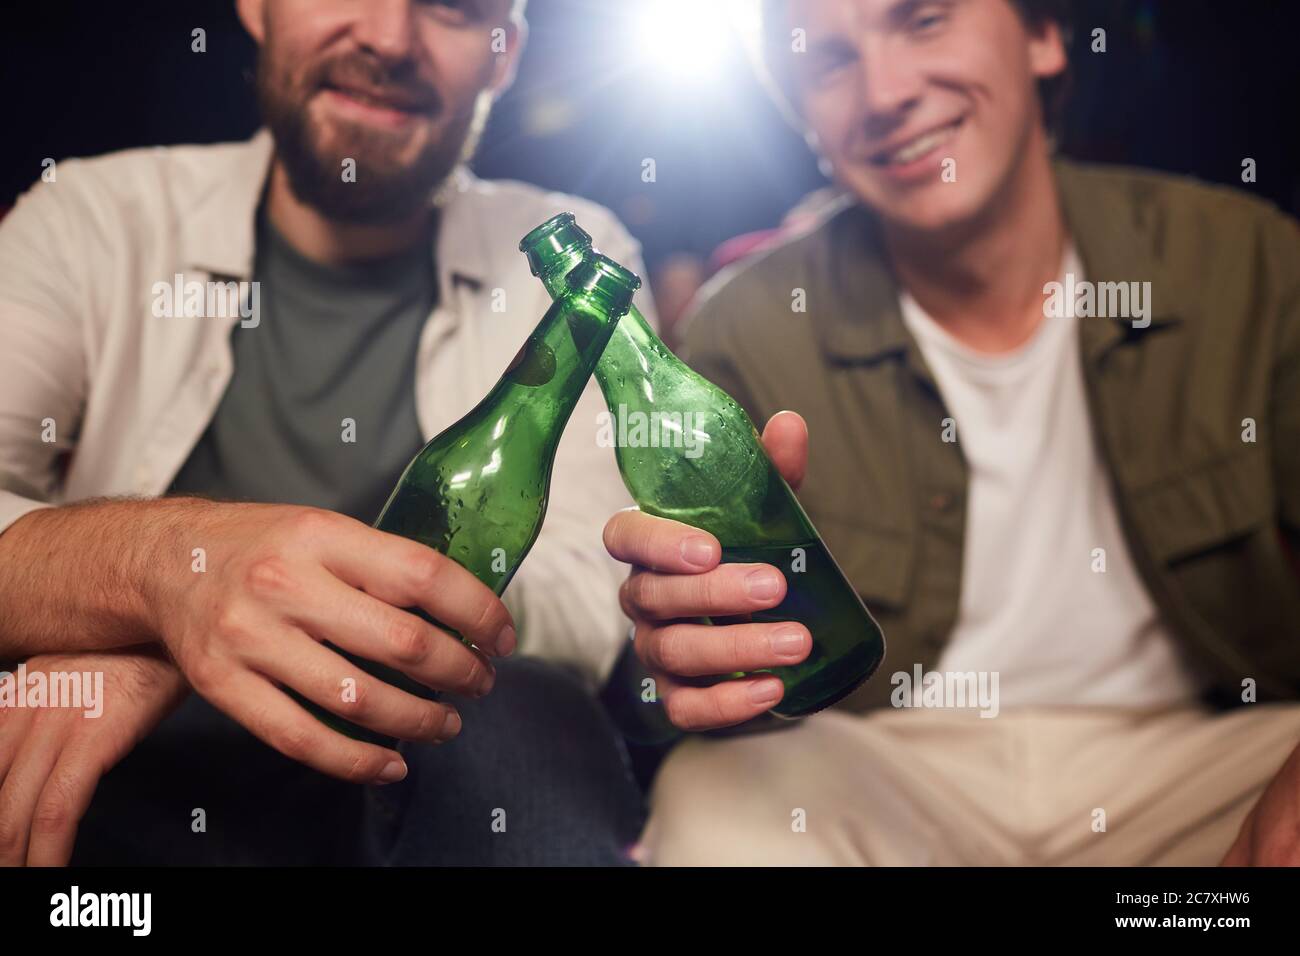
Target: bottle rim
{"points": [[553, 226], [585, 278]]}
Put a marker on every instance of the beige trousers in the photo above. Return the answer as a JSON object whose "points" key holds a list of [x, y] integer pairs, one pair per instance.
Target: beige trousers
{"points": [[946, 787]]}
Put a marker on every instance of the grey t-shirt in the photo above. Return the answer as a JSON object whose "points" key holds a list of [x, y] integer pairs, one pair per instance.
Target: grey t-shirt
{"points": [[332, 344], [332, 358]]}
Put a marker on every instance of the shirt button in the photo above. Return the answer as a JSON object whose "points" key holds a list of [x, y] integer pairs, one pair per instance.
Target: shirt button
{"points": [[941, 501]]}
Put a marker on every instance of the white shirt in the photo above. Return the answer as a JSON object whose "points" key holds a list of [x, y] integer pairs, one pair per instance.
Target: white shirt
{"points": [[1034, 605], [129, 394]]}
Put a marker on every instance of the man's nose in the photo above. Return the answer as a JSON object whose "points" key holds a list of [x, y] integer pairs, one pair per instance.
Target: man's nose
{"points": [[890, 80], [386, 28]]}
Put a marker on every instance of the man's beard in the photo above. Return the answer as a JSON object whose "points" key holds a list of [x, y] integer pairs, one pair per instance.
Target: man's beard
{"points": [[380, 191]]}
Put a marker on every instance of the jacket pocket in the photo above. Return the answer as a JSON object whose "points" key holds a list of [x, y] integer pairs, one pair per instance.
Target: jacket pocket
{"points": [[878, 563], [1206, 506]]}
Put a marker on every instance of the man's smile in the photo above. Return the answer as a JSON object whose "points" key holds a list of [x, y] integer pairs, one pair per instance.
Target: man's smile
{"points": [[387, 108]]}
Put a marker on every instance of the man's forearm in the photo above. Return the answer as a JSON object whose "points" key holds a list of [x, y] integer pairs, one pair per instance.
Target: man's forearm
{"points": [[79, 577]]}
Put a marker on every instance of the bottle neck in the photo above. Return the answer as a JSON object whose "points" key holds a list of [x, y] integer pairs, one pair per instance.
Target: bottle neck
{"points": [[633, 343], [555, 278], [633, 329], [559, 356]]}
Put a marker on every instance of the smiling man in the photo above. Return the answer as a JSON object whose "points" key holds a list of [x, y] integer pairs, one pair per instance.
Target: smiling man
{"points": [[185, 499], [1092, 506]]}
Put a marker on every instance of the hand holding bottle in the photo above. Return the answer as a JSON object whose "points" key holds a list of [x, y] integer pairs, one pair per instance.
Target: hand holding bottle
{"points": [[677, 576], [281, 580], [688, 451]]}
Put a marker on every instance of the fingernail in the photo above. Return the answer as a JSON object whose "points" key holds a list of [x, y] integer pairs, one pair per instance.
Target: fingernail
{"points": [[452, 727], [488, 683], [506, 641], [698, 551], [763, 584], [788, 643], [766, 693], [393, 771]]}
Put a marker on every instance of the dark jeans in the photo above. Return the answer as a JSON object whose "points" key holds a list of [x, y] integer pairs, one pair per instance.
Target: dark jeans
{"points": [[538, 776]]}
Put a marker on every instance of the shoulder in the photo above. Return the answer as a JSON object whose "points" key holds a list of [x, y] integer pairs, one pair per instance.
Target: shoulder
{"points": [[174, 175], [136, 198], [1192, 224], [1224, 262], [1154, 192], [757, 299]]}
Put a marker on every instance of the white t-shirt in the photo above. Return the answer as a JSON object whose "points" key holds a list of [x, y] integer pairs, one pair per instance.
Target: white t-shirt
{"points": [[1039, 506]]}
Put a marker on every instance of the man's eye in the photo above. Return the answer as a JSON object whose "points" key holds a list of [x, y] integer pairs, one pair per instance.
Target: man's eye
{"points": [[928, 19], [824, 65], [457, 11]]}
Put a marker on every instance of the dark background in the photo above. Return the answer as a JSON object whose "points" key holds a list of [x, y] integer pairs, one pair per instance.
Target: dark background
{"points": [[1186, 85]]}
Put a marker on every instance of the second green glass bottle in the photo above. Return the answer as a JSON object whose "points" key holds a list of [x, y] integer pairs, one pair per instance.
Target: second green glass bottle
{"points": [[688, 452]]}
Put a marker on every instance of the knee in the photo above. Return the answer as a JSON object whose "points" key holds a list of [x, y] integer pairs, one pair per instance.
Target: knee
{"points": [[539, 719], [537, 775], [719, 803], [539, 689], [697, 808]]}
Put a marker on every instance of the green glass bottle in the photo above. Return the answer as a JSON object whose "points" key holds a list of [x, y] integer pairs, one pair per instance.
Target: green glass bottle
{"points": [[477, 492], [687, 451]]}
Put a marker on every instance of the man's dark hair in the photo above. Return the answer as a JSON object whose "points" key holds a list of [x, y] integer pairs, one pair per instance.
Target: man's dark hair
{"points": [[1034, 13], [1052, 92]]}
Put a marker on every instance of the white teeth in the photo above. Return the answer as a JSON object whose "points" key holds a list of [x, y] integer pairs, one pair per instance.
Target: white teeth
{"points": [[367, 100], [920, 146]]}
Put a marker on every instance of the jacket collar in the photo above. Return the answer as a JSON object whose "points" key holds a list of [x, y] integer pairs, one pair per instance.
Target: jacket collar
{"points": [[864, 321], [217, 234], [1118, 241], [1115, 241], [218, 229]]}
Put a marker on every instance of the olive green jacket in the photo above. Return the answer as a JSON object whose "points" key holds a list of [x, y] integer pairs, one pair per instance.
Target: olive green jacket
{"points": [[1212, 517]]}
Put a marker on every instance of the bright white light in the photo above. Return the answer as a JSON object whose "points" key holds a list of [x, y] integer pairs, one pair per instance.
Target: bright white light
{"points": [[684, 39]]}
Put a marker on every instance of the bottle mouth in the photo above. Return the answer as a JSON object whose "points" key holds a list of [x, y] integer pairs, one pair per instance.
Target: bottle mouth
{"points": [[602, 277], [556, 242]]}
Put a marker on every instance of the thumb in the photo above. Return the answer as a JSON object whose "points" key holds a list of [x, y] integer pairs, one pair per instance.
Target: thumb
{"points": [[786, 441]]}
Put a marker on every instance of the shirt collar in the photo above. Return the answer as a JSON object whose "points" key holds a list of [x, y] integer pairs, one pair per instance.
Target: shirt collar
{"points": [[219, 231], [864, 320], [1118, 240], [464, 250], [1114, 240]]}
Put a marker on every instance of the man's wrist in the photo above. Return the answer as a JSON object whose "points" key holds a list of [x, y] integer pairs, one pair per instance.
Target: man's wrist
{"points": [[162, 552], [92, 575]]}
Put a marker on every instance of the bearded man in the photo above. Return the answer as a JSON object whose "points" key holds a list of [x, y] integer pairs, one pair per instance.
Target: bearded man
{"points": [[185, 499]]}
